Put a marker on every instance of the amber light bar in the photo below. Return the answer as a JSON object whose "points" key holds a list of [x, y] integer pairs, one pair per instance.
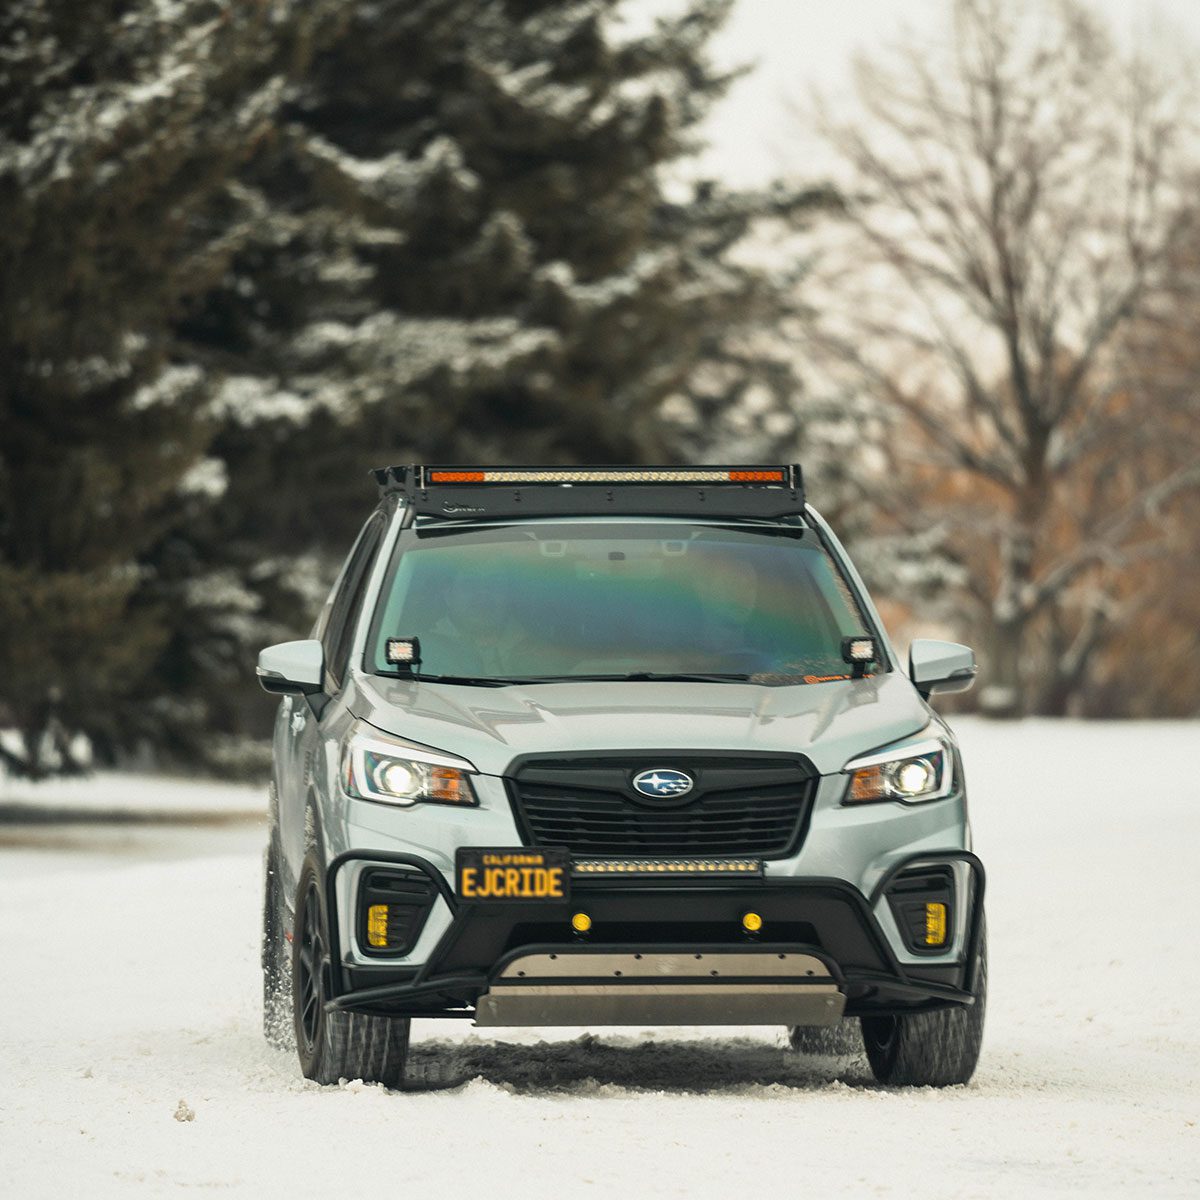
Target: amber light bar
{"points": [[610, 475], [667, 866]]}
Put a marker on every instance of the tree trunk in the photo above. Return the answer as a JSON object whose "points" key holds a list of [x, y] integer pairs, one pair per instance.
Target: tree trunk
{"points": [[1069, 661], [1003, 693]]}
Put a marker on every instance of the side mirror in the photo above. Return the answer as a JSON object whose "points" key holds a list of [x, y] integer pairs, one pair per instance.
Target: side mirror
{"points": [[292, 668], [940, 666]]}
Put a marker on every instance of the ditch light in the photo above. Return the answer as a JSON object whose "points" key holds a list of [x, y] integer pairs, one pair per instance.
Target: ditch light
{"points": [[404, 651], [860, 653]]}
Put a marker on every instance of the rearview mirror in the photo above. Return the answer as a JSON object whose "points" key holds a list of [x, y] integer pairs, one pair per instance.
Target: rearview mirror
{"points": [[292, 668], [940, 666]]}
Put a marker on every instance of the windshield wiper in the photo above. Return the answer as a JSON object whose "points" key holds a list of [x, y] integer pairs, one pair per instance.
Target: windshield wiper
{"points": [[469, 680], [633, 677], [639, 677], [686, 677]]}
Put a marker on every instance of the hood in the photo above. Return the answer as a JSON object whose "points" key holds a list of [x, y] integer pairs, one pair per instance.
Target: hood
{"points": [[828, 722]]}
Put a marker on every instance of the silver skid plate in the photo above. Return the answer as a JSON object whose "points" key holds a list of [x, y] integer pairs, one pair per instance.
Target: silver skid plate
{"points": [[580, 987]]}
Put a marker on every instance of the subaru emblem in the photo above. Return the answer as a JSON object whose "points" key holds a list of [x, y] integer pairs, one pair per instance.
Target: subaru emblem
{"points": [[663, 783]]}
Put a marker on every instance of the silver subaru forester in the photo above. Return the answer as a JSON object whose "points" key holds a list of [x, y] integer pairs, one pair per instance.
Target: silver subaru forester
{"points": [[614, 746]]}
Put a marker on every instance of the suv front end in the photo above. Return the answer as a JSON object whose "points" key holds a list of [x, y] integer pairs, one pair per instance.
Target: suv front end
{"points": [[569, 774]]}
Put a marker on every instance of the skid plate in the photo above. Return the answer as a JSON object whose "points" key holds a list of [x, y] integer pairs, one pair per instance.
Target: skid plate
{"points": [[580, 987]]}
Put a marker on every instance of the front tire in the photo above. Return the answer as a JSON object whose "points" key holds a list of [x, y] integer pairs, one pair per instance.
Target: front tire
{"points": [[930, 1049], [276, 967], [834, 1040], [336, 1045]]}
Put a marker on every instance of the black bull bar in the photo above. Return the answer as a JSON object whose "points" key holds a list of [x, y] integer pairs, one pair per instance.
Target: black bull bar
{"points": [[499, 963]]}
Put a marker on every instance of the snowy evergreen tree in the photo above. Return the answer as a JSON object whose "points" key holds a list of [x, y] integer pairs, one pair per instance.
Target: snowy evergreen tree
{"points": [[470, 251], [253, 250], [121, 126]]}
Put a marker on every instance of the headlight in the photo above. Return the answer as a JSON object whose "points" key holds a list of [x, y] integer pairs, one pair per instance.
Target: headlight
{"points": [[921, 770], [376, 767]]}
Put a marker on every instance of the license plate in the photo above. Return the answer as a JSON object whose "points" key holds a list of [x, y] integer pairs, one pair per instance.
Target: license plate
{"points": [[512, 875]]}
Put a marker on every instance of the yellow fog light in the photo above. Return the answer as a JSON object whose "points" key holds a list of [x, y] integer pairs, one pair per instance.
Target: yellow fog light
{"points": [[581, 922], [377, 920], [935, 923], [751, 922]]}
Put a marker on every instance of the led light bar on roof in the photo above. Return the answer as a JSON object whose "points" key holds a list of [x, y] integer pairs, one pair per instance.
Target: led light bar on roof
{"points": [[444, 475], [476, 493]]}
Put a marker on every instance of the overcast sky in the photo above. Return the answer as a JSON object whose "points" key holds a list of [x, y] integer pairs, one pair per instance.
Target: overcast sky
{"points": [[800, 43]]}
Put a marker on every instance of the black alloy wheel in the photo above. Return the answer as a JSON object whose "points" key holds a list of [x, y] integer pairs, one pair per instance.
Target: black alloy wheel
{"points": [[310, 972]]}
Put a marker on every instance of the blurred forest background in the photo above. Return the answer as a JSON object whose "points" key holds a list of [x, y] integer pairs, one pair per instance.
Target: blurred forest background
{"points": [[251, 248]]}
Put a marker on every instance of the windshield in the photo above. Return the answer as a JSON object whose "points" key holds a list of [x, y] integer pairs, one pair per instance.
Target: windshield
{"points": [[616, 600]]}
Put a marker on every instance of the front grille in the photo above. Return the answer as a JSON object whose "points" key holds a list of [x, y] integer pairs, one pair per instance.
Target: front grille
{"points": [[747, 806]]}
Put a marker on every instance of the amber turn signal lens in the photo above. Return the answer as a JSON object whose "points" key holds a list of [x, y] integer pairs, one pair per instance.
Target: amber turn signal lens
{"points": [[581, 922], [868, 783], [752, 922], [449, 786]]}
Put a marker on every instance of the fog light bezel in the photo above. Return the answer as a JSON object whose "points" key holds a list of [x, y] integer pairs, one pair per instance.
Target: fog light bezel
{"points": [[421, 896], [910, 893]]}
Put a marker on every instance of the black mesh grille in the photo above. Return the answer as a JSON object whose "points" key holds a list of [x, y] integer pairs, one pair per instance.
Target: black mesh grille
{"points": [[738, 806]]}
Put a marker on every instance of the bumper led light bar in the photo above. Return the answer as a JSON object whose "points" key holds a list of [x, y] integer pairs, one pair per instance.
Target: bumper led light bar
{"points": [[667, 866]]}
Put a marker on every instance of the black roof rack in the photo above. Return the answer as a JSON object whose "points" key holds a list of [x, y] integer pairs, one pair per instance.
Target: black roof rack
{"points": [[486, 493]]}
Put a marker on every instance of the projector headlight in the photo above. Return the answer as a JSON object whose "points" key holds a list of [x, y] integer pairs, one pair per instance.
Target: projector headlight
{"points": [[921, 770], [376, 767]]}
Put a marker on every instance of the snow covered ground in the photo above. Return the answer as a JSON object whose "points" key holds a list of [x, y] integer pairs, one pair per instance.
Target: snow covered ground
{"points": [[123, 795], [129, 1002]]}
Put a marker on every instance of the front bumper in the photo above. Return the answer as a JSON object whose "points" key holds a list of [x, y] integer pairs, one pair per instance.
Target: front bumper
{"points": [[508, 963]]}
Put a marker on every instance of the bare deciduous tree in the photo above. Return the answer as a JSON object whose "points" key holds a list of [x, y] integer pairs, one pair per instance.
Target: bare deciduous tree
{"points": [[1015, 205]]}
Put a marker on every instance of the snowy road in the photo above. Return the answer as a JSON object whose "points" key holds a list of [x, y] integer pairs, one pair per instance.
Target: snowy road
{"points": [[128, 963]]}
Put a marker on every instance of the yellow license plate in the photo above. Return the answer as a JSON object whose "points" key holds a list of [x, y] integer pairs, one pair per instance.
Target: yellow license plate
{"points": [[512, 875]]}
